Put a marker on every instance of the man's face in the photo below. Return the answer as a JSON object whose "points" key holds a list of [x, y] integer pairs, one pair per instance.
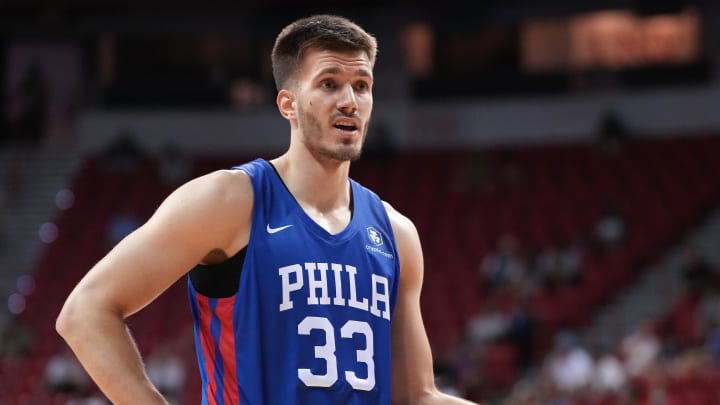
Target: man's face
{"points": [[334, 103]]}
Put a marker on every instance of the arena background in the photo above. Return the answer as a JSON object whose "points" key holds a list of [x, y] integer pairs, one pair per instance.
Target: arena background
{"points": [[581, 140]]}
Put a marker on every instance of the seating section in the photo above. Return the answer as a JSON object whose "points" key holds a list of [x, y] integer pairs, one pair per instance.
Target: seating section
{"points": [[461, 201], [556, 193], [544, 194]]}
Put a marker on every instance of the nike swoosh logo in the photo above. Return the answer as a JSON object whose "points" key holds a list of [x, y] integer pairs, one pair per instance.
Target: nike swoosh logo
{"points": [[276, 230]]}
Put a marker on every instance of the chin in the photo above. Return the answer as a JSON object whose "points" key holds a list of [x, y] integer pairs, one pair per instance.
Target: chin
{"points": [[342, 154]]}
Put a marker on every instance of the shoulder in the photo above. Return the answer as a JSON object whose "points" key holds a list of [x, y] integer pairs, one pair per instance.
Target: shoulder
{"points": [[407, 241], [224, 197], [218, 188], [402, 226], [217, 205]]}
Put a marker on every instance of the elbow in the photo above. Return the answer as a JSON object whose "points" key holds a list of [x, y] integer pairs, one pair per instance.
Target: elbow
{"points": [[65, 321], [83, 314], [74, 316]]}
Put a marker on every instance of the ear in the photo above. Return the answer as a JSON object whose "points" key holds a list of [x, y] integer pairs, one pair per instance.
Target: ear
{"points": [[286, 104]]}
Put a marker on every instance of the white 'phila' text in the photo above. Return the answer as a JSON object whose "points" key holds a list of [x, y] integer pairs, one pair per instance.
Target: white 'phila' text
{"points": [[314, 280]]}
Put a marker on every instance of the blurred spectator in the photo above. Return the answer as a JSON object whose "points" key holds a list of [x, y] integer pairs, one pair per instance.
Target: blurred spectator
{"points": [[460, 366], [246, 94], [447, 386], [27, 109], [63, 373], [708, 311], [609, 375], [697, 272], [525, 393], [612, 133], [656, 387], [123, 154], [521, 332], [611, 228], [446, 375], [504, 267], [488, 325], [418, 39], [174, 165], [558, 265], [640, 349], [569, 365], [712, 345], [167, 372], [121, 224], [474, 173], [549, 267]]}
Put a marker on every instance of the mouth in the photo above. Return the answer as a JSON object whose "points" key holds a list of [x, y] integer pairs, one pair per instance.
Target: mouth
{"points": [[346, 126]]}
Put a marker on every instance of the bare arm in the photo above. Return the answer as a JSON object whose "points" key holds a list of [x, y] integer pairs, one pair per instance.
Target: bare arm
{"points": [[412, 364], [207, 215]]}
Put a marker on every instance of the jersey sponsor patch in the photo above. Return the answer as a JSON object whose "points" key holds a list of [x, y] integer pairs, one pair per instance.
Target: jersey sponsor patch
{"points": [[376, 241]]}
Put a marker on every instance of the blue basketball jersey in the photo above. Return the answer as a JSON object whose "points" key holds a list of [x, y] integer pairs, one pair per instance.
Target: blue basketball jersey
{"points": [[310, 322]]}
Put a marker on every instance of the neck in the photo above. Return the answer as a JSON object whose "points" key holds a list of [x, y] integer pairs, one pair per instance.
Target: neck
{"points": [[318, 185]]}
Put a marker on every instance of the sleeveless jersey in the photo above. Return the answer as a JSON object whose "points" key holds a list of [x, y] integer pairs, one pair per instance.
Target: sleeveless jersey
{"points": [[310, 322]]}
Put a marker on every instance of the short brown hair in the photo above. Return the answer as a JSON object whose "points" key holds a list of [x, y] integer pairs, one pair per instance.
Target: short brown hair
{"points": [[321, 31]]}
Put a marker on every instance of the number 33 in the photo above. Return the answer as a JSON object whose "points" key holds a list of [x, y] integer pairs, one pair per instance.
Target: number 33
{"points": [[327, 353]]}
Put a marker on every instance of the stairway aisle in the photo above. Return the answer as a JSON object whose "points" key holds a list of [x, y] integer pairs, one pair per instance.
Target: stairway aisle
{"points": [[33, 180], [655, 291]]}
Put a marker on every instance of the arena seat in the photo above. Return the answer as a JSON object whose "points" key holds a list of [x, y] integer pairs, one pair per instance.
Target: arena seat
{"points": [[542, 193]]}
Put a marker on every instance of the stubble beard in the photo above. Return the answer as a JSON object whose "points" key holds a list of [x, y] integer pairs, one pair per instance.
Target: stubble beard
{"points": [[313, 135]]}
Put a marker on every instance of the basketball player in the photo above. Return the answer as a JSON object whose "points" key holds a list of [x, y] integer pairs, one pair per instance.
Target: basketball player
{"points": [[304, 286]]}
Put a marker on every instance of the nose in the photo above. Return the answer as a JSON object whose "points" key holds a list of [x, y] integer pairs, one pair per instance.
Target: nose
{"points": [[347, 102]]}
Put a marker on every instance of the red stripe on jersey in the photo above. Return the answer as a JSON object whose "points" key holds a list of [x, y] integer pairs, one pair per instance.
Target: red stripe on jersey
{"points": [[208, 346], [224, 311]]}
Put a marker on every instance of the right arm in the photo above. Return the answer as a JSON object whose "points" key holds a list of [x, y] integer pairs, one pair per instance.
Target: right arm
{"points": [[413, 379], [207, 217]]}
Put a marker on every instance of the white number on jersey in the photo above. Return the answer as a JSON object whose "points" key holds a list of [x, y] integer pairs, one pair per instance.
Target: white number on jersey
{"points": [[326, 352]]}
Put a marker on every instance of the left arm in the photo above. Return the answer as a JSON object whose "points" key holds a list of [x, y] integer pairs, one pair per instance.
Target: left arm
{"points": [[413, 380]]}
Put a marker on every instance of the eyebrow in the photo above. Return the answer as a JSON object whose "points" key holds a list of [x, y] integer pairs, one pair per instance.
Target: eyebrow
{"points": [[336, 70]]}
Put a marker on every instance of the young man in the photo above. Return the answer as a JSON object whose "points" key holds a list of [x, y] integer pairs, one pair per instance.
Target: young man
{"points": [[305, 286]]}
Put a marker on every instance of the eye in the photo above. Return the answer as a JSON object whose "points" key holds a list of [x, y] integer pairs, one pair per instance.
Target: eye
{"points": [[327, 84], [362, 86]]}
